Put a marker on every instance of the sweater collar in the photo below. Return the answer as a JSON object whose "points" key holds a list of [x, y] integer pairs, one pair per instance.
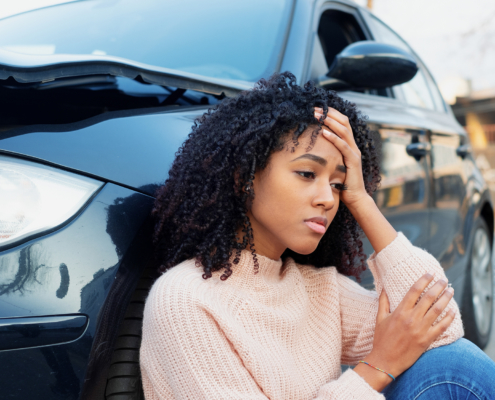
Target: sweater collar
{"points": [[269, 270]]}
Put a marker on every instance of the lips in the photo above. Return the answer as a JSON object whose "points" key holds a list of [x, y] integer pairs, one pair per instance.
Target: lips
{"points": [[317, 224]]}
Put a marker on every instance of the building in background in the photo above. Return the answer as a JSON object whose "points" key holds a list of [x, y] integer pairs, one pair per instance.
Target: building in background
{"points": [[476, 112]]}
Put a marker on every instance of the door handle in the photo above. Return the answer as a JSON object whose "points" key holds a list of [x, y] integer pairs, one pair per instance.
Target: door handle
{"points": [[418, 150], [464, 150]]}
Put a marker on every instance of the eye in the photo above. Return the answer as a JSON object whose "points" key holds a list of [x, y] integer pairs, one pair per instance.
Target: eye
{"points": [[306, 174], [339, 186]]}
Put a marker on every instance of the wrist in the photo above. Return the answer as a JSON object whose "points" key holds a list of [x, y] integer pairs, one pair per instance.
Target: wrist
{"points": [[376, 361], [376, 379], [362, 206]]}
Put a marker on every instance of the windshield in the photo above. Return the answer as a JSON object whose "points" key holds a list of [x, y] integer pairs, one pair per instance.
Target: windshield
{"points": [[217, 38]]}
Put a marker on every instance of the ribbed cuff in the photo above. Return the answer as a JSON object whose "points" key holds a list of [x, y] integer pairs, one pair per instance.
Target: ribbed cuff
{"points": [[350, 386]]}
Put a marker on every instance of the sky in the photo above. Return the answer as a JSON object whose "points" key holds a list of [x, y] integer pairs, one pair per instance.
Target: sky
{"points": [[454, 38]]}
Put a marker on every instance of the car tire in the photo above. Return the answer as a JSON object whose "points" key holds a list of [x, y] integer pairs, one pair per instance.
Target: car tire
{"points": [[124, 376], [477, 302]]}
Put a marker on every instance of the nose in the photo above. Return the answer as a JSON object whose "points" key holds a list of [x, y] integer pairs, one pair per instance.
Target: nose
{"points": [[324, 197]]}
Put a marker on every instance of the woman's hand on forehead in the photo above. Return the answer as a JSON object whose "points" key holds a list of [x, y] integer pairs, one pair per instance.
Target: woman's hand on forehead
{"points": [[338, 131]]}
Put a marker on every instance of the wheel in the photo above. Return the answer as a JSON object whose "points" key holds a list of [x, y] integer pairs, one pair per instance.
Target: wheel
{"points": [[477, 307], [124, 377]]}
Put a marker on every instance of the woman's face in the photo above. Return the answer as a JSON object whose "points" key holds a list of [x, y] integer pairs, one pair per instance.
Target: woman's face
{"points": [[296, 197]]}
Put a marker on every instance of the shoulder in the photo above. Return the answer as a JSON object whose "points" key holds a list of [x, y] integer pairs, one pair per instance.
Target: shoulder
{"points": [[181, 283], [182, 289]]}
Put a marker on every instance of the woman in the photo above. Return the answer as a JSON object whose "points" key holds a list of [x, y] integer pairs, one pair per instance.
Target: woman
{"points": [[258, 228]]}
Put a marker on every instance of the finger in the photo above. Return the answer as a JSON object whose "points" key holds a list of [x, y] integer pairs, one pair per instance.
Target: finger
{"points": [[342, 131], [336, 115], [332, 117], [383, 307], [350, 157], [430, 297], [435, 331], [412, 296], [439, 306]]}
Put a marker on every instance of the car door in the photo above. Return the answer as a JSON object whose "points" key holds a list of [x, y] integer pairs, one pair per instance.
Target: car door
{"points": [[450, 173]]}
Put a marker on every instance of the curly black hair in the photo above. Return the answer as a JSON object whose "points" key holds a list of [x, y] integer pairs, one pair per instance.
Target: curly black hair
{"points": [[204, 201]]}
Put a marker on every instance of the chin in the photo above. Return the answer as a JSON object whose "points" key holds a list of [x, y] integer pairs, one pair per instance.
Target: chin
{"points": [[304, 247]]}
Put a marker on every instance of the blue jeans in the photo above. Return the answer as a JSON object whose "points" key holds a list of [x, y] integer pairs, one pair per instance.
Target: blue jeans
{"points": [[456, 371]]}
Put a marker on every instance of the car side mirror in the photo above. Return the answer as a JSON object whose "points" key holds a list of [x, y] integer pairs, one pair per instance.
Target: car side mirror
{"points": [[369, 65]]}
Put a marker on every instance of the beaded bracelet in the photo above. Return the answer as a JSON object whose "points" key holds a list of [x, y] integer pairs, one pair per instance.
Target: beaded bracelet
{"points": [[364, 362]]}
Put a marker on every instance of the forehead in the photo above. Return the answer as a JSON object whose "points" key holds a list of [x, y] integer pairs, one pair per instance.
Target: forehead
{"points": [[321, 147]]}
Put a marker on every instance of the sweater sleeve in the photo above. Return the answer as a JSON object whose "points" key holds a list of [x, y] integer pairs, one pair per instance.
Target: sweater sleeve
{"points": [[185, 355], [396, 268]]}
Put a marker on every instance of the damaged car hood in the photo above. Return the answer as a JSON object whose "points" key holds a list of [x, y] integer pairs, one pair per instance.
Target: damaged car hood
{"points": [[26, 68]]}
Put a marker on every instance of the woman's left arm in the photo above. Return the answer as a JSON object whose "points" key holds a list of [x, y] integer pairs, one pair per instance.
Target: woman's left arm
{"points": [[396, 264]]}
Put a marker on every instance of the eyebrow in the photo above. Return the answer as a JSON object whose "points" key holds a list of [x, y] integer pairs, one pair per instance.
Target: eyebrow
{"points": [[321, 161]]}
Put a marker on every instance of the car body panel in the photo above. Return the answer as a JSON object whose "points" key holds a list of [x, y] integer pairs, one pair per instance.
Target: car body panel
{"points": [[69, 272], [135, 151], [44, 68]]}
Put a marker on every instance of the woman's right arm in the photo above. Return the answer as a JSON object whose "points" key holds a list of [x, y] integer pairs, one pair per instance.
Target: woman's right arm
{"points": [[185, 355]]}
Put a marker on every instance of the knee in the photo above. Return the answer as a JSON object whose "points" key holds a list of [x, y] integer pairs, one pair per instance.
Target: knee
{"points": [[455, 359], [461, 365]]}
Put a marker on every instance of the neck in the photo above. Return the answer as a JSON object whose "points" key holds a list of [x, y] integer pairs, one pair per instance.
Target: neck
{"points": [[265, 244]]}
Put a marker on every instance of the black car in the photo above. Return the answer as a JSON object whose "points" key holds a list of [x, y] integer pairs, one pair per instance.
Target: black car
{"points": [[97, 96]]}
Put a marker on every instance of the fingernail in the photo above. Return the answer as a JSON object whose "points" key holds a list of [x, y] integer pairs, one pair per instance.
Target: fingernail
{"points": [[450, 291], [429, 275], [327, 132], [443, 281]]}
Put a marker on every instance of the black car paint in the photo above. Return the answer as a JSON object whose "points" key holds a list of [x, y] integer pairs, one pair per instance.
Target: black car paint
{"points": [[27, 69], [103, 255], [134, 151], [132, 154]]}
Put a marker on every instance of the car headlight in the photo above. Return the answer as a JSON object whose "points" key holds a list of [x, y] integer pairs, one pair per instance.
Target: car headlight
{"points": [[35, 198]]}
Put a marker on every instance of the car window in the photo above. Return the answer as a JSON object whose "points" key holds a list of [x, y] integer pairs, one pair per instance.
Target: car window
{"points": [[435, 93], [416, 91], [336, 31], [201, 37]]}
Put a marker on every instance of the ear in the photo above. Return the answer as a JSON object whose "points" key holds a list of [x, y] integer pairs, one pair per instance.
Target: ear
{"points": [[237, 184]]}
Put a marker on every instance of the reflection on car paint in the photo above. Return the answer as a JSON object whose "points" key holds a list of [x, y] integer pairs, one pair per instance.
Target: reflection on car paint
{"points": [[69, 271]]}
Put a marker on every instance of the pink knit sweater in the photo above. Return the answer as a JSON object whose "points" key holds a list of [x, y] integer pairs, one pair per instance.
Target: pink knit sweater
{"points": [[280, 334]]}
